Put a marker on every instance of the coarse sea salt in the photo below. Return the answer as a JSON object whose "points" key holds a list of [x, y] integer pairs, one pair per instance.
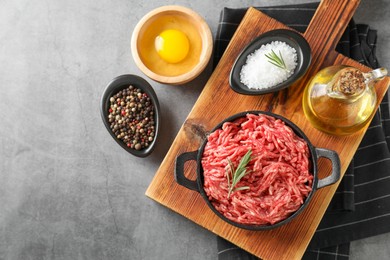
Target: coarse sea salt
{"points": [[259, 73]]}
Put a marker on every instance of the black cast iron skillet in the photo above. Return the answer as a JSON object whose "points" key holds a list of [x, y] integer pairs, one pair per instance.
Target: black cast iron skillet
{"points": [[315, 154]]}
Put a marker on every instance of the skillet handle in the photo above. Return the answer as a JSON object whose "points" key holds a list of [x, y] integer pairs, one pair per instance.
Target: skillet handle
{"points": [[179, 170], [334, 158]]}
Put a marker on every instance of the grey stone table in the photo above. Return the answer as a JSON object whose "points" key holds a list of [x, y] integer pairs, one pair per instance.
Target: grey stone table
{"points": [[67, 190]]}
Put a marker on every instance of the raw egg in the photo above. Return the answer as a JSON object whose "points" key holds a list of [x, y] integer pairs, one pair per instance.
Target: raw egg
{"points": [[172, 45]]}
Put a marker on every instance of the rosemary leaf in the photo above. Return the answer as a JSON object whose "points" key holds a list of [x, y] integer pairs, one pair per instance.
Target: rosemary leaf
{"points": [[276, 60], [242, 188], [238, 173]]}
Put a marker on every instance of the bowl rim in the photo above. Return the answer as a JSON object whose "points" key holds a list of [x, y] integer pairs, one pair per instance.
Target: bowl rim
{"points": [[289, 36], [205, 56], [121, 82]]}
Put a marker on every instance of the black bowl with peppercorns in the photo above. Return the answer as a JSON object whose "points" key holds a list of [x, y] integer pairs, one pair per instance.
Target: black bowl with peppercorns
{"points": [[131, 113]]}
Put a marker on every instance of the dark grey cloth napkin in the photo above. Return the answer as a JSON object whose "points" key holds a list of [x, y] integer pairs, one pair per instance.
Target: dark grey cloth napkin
{"points": [[361, 205]]}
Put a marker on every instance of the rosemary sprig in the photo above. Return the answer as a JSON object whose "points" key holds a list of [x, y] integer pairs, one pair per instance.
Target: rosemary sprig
{"points": [[239, 173], [276, 60]]}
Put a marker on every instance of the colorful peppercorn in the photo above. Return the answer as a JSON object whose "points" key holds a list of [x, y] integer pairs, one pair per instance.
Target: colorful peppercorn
{"points": [[131, 117]]}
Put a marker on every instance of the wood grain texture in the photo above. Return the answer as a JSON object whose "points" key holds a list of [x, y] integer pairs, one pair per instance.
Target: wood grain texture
{"points": [[217, 101]]}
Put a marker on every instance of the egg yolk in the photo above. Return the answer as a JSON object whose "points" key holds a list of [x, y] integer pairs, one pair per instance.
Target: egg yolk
{"points": [[172, 45]]}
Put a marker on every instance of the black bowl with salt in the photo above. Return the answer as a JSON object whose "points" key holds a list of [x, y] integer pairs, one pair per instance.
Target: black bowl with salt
{"points": [[271, 62]]}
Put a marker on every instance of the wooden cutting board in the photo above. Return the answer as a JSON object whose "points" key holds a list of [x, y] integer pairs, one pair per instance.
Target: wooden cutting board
{"points": [[217, 101]]}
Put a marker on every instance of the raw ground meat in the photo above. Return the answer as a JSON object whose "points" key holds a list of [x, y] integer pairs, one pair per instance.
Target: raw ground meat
{"points": [[279, 180]]}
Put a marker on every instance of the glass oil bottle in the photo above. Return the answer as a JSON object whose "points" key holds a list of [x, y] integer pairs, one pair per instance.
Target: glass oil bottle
{"points": [[340, 99]]}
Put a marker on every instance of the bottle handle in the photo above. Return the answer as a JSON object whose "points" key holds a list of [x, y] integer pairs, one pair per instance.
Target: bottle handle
{"points": [[375, 75]]}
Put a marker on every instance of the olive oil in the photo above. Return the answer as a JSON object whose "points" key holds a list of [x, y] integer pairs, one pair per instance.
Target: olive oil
{"points": [[341, 100]]}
